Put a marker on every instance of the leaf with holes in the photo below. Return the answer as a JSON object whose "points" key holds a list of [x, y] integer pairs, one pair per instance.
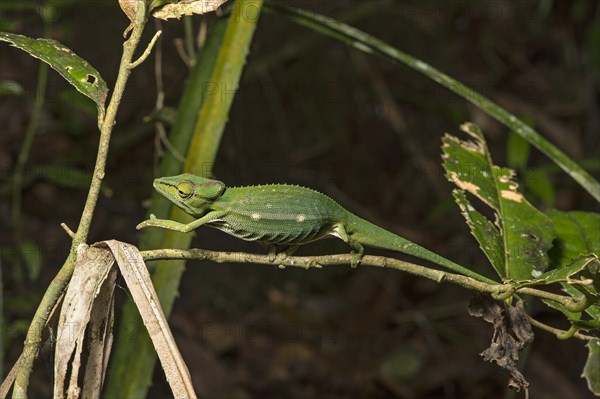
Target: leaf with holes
{"points": [[73, 68], [517, 242]]}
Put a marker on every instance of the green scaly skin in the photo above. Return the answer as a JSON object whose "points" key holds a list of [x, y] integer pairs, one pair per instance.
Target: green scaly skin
{"points": [[280, 214]]}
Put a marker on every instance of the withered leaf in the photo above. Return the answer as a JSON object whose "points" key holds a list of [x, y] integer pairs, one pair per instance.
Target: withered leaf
{"points": [[512, 333]]}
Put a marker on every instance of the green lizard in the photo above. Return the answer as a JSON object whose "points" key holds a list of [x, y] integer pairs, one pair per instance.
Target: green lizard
{"points": [[280, 214]]}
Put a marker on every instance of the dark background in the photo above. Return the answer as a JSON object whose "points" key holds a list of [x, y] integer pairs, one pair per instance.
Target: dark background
{"points": [[313, 111]]}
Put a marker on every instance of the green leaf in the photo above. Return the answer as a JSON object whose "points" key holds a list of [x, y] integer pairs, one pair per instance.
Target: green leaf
{"points": [[484, 231], [591, 370], [69, 65], [10, 88], [518, 242], [586, 325], [581, 271], [576, 232], [571, 316]]}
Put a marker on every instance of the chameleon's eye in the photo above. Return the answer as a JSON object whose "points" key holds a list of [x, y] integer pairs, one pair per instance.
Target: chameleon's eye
{"points": [[185, 189]]}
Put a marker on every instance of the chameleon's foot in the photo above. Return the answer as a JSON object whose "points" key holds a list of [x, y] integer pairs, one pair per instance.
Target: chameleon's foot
{"points": [[283, 254], [357, 250], [146, 223], [356, 259], [313, 264]]}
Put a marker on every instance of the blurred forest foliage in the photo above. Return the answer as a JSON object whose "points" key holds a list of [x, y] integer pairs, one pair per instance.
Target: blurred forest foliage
{"points": [[315, 112]]}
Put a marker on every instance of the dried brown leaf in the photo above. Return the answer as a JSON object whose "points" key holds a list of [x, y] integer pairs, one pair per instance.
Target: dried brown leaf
{"points": [[512, 332]]}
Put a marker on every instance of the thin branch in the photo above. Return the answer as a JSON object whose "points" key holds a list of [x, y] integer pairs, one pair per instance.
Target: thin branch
{"points": [[188, 26], [345, 259], [560, 334], [68, 230], [164, 139], [146, 52], [179, 46]]}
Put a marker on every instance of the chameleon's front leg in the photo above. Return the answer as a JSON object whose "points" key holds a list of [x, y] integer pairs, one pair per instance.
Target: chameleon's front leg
{"points": [[176, 226]]}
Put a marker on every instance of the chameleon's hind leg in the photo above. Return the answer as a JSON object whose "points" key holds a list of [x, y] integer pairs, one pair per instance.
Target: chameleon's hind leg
{"points": [[339, 230], [283, 254], [288, 251], [272, 254]]}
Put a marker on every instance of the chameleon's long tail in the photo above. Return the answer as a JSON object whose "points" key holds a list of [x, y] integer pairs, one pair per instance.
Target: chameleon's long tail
{"points": [[374, 236]]}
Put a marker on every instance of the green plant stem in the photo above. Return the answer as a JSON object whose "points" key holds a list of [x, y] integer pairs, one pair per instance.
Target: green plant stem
{"points": [[344, 259], [560, 334], [371, 44], [56, 288]]}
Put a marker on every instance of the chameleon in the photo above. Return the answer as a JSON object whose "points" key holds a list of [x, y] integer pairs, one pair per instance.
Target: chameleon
{"points": [[280, 214]]}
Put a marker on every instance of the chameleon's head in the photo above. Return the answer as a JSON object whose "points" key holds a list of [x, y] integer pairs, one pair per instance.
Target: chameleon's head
{"points": [[193, 194]]}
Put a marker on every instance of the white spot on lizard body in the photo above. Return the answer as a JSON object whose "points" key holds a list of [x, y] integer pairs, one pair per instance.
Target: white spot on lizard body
{"points": [[300, 218], [256, 216]]}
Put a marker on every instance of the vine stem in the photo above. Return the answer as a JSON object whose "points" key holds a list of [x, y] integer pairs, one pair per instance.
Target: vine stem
{"points": [[560, 334], [344, 259], [58, 285]]}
